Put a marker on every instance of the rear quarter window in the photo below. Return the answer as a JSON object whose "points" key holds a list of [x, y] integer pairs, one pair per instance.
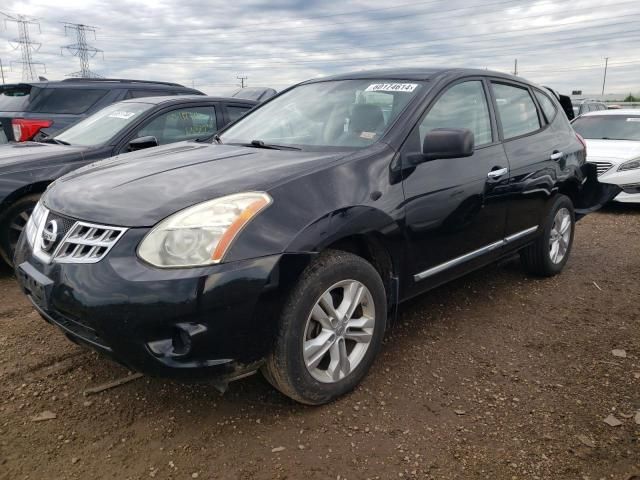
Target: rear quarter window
{"points": [[548, 107], [65, 100], [14, 99]]}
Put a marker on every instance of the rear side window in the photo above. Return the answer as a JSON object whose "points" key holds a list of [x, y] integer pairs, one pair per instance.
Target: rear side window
{"points": [[462, 106], [65, 100], [548, 107], [236, 111], [518, 113], [14, 99]]}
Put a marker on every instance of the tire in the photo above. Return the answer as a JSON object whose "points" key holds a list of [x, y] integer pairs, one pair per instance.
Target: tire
{"points": [[325, 286], [548, 255], [13, 221]]}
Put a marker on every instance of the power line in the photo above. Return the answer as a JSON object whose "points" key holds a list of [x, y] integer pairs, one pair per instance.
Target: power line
{"points": [[81, 48], [560, 43], [25, 45], [288, 30], [474, 40]]}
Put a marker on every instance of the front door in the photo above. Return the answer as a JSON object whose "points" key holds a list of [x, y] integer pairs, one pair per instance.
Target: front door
{"points": [[455, 208]]}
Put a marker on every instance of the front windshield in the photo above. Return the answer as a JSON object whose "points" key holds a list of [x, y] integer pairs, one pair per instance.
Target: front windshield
{"points": [[103, 125], [609, 127], [339, 113]]}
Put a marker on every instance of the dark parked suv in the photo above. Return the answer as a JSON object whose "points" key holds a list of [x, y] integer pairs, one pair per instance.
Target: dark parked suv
{"points": [[287, 245], [29, 109]]}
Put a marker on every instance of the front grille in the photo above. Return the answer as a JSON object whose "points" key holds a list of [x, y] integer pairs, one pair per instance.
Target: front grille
{"points": [[87, 243], [65, 240], [602, 167], [64, 224]]}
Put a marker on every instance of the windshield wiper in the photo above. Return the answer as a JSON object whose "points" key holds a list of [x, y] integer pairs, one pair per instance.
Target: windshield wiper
{"points": [[54, 140], [269, 146]]}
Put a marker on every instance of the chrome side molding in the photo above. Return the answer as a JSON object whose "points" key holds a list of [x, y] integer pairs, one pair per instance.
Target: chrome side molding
{"points": [[474, 254]]}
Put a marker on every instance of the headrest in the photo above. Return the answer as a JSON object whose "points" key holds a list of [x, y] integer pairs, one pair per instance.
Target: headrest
{"points": [[366, 118]]}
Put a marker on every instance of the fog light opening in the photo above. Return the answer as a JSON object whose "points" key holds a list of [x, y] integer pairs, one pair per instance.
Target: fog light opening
{"points": [[180, 342]]}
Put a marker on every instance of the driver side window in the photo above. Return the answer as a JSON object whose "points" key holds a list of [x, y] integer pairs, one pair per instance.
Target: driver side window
{"points": [[462, 106], [181, 124]]}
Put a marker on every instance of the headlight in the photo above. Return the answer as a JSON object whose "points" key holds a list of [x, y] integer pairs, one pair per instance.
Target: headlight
{"points": [[630, 165], [201, 234], [38, 216]]}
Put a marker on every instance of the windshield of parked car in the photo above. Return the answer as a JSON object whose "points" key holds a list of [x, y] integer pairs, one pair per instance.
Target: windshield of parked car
{"points": [[338, 113], [609, 127], [103, 125]]}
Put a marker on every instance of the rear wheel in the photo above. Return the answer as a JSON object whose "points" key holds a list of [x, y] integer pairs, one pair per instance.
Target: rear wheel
{"points": [[550, 252], [14, 220], [330, 331]]}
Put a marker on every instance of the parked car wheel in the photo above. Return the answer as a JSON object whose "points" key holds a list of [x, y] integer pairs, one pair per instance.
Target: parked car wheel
{"points": [[331, 329], [13, 221], [548, 255]]}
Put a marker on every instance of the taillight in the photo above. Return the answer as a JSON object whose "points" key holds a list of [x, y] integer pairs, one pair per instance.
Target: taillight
{"points": [[25, 129], [582, 141]]}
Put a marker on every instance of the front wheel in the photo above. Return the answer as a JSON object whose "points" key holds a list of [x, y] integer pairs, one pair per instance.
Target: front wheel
{"points": [[13, 222], [548, 255], [330, 331]]}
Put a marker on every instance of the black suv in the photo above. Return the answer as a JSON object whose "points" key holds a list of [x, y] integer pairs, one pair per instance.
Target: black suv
{"points": [[28, 109], [27, 168], [287, 245]]}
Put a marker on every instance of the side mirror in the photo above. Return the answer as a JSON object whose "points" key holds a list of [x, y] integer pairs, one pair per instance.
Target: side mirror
{"points": [[447, 143], [142, 142]]}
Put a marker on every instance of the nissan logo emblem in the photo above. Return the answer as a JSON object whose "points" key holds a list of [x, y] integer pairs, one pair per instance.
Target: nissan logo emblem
{"points": [[49, 235]]}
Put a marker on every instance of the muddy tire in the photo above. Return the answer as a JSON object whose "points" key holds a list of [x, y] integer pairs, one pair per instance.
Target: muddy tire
{"points": [[331, 329], [548, 255]]}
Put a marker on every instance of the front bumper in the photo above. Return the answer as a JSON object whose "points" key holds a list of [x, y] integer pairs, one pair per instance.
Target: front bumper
{"points": [[216, 321]]}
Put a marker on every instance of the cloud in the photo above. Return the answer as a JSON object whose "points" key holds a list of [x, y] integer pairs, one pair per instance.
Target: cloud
{"points": [[277, 43]]}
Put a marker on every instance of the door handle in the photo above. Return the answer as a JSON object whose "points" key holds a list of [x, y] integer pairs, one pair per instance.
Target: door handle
{"points": [[497, 173], [555, 156]]}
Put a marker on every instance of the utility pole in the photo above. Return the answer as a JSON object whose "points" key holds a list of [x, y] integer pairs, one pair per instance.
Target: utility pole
{"points": [[2, 71], [81, 48], [242, 79], [604, 80], [515, 67], [24, 43]]}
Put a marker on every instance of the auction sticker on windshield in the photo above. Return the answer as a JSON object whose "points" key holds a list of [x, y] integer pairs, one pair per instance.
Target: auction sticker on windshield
{"points": [[121, 114], [392, 87]]}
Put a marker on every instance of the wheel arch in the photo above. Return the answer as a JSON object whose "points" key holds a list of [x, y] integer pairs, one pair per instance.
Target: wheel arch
{"points": [[364, 231], [23, 191]]}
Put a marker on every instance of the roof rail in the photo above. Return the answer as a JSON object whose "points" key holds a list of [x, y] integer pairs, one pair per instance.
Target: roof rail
{"points": [[119, 80]]}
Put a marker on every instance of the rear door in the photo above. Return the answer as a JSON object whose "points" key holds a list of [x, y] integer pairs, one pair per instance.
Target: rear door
{"points": [[537, 145], [455, 208]]}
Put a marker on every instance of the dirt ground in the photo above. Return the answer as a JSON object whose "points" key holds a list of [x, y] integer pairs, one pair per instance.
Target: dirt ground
{"points": [[496, 375]]}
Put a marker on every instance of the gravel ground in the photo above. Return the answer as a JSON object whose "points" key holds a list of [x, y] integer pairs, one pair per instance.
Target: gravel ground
{"points": [[494, 376]]}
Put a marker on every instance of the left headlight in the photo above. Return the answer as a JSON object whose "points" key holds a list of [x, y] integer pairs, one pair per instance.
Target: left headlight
{"points": [[630, 165], [202, 234]]}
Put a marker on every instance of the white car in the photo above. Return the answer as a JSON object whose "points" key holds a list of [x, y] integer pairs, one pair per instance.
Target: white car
{"points": [[613, 144]]}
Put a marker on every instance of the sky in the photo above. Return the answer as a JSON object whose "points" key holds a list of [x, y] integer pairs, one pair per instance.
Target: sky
{"points": [[276, 43]]}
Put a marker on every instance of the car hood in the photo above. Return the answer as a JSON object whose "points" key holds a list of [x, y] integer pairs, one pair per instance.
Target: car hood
{"points": [[20, 156], [139, 189], [612, 150]]}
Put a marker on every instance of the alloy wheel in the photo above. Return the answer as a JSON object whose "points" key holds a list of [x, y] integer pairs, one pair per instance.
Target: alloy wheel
{"points": [[339, 331], [560, 235]]}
